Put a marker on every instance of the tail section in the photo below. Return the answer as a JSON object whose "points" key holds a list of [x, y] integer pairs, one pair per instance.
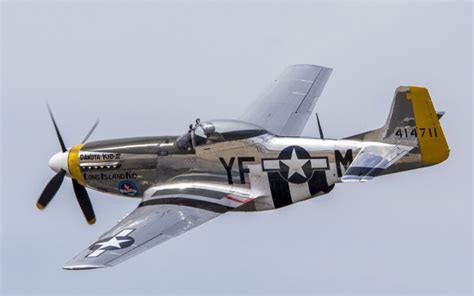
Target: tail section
{"points": [[414, 122]]}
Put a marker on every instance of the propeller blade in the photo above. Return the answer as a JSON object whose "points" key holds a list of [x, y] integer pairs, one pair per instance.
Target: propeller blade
{"points": [[61, 142], [84, 201], [50, 190], [91, 131]]}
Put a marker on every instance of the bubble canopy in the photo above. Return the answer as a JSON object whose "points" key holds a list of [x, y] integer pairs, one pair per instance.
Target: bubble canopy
{"points": [[214, 131]]}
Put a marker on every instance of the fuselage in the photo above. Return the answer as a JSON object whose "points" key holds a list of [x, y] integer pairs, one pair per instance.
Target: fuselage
{"points": [[278, 170]]}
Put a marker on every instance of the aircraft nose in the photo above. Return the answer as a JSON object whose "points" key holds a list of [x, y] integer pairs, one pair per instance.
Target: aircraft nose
{"points": [[59, 161]]}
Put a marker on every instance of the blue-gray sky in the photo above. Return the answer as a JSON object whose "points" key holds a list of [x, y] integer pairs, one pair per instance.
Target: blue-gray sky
{"points": [[151, 68]]}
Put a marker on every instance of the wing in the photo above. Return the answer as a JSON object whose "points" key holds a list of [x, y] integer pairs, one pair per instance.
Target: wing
{"points": [[373, 160], [286, 106], [165, 214]]}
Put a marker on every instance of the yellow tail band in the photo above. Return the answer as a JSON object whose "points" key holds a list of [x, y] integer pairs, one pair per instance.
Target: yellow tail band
{"points": [[433, 146]]}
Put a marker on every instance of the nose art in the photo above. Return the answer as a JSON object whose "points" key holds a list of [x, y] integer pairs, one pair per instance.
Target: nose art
{"points": [[59, 161]]}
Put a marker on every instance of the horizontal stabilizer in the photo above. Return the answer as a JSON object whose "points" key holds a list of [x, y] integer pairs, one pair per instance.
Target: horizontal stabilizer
{"points": [[372, 160]]}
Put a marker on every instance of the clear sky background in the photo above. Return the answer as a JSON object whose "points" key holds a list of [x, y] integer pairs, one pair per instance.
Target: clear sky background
{"points": [[152, 68]]}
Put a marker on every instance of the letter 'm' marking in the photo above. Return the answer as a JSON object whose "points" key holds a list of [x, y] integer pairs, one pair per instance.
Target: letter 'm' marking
{"points": [[340, 160]]}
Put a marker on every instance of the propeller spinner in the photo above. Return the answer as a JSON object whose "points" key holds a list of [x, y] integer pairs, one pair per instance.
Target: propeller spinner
{"points": [[60, 164]]}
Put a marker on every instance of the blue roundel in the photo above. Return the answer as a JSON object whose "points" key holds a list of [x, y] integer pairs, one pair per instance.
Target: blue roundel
{"points": [[127, 187]]}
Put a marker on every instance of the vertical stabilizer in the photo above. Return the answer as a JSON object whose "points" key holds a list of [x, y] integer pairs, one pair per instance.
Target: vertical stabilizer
{"points": [[413, 121]]}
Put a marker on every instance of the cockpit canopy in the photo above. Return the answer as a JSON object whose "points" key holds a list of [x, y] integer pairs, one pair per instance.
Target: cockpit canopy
{"points": [[215, 131], [229, 130]]}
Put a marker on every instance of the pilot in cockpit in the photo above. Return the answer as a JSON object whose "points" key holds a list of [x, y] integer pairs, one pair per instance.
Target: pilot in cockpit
{"points": [[218, 131]]}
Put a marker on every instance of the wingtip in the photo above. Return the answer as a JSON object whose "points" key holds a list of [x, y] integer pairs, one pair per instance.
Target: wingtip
{"points": [[91, 221], [83, 267], [39, 206]]}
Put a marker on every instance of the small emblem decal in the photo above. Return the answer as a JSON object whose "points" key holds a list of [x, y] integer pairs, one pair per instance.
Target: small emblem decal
{"points": [[127, 187], [120, 241]]}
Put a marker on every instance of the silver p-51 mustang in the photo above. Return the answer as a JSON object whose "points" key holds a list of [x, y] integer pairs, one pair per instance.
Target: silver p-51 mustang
{"points": [[256, 163]]}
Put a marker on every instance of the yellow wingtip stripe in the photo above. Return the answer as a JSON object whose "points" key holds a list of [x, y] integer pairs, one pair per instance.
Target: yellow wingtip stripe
{"points": [[91, 221], [39, 206]]}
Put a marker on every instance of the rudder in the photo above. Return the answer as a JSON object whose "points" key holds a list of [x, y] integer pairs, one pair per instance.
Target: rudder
{"points": [[433, 145]]}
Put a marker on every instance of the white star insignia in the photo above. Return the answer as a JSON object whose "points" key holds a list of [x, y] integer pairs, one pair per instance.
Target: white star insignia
{"points": [[295, 165], [113, 242]]}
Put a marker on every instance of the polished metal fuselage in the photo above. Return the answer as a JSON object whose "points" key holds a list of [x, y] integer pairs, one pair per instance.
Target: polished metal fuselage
{"points": [[276, 170]]}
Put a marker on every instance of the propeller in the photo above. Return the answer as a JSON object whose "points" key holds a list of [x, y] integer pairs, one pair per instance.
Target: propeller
{"points": [[50, 190], [53, 185], [61, 142]]}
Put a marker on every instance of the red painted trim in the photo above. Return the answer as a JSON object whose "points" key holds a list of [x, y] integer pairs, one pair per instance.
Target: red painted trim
{"points": [[238, 200]]}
